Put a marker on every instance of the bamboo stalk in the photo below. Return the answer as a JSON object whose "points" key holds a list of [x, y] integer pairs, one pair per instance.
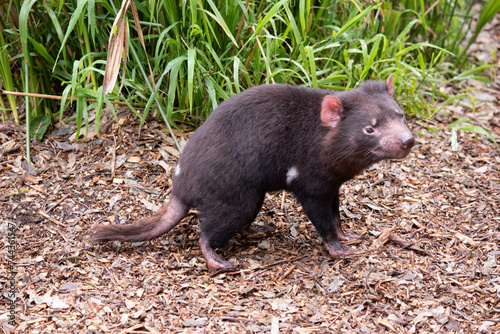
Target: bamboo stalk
{"points": [[54, 97]]}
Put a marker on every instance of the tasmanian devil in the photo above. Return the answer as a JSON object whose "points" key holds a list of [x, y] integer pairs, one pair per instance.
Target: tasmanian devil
{"points": [[271, 137]]}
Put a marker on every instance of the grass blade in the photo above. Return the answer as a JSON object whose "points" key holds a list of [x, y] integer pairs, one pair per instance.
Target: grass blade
{"points": [[23, 32], [191, 59], [72, 23], [6, 77], [480, 130], [220, 20], [349, 24]]}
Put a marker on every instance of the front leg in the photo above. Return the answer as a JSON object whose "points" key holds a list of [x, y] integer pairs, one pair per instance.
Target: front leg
{"points": [[319, 210], [336, 217]]}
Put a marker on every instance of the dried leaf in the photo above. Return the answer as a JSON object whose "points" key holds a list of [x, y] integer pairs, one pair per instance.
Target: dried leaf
{"points": [[116, 44], [129, 304], [382, 238], [385, 323], [195, 322]]}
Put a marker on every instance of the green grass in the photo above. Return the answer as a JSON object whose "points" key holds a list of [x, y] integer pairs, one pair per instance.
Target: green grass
{"points": [[203, 51]]}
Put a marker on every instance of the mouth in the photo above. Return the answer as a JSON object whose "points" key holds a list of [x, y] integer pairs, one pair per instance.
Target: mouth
{"points": [[384, 154]]}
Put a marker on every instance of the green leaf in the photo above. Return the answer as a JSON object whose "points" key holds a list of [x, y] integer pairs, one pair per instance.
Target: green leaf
{"points": [[172, 64], [38, 126], [480, 130], [454, 139], [6, 76], [172, 88], [236, 71], [349, 24], [80, 105], [91, 15], [274, 9], [489, 10], [373, 53], [419, 45], [476, 69], [64, 101], [72, 23], [42, 51], [98, 108], [220, 20], [23, 26], [191, 59], [312, 65], [458, 122], [211, 92]]}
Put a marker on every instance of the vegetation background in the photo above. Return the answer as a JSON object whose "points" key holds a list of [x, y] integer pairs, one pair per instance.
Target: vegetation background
{"points": [[183, 57], [429, 226]]}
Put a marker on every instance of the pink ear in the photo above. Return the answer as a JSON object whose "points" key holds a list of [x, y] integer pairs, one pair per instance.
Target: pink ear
{"points": [[390, 87], [331, 110]]}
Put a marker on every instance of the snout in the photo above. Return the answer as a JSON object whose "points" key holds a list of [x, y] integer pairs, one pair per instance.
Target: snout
{"points": [[407, 141], [395, 142], [396, 145]]}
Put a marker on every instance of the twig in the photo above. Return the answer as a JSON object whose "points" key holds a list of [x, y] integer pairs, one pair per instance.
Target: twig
{"points": [[113, 158], [51, 219], [355, 254], [366, 284], [288, 272], [57, 203], [285, 261], [259, 268], [60, 233], [313, 277], [235, 319], [114, 280], [53, 97], [133, 329], [383, 238], [401, 242]]}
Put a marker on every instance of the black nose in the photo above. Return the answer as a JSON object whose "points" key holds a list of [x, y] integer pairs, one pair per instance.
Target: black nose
{"points": [[407, 143]]}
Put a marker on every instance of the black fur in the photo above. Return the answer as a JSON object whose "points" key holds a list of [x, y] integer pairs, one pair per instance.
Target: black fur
{"points": [[248, 144], [274, 137]]}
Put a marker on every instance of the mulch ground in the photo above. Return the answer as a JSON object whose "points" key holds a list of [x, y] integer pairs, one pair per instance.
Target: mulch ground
{"points": [[427, 230]]}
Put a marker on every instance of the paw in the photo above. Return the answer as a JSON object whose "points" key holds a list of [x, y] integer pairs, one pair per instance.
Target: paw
{"points": [[336, 249], [217, 266]]}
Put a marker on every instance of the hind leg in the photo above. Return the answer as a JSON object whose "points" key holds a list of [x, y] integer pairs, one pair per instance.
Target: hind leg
{"points": [[214, 262], [219, 223]]}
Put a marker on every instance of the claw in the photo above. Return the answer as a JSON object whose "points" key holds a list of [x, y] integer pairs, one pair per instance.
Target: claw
{"points": [[221, 265], [342, 236]]}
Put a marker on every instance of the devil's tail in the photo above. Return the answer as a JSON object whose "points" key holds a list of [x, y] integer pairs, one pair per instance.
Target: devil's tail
{"points": [[162, 222]]}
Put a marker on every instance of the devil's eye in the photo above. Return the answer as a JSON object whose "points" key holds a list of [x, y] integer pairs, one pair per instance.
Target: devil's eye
{"points": [[368, 130]]}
